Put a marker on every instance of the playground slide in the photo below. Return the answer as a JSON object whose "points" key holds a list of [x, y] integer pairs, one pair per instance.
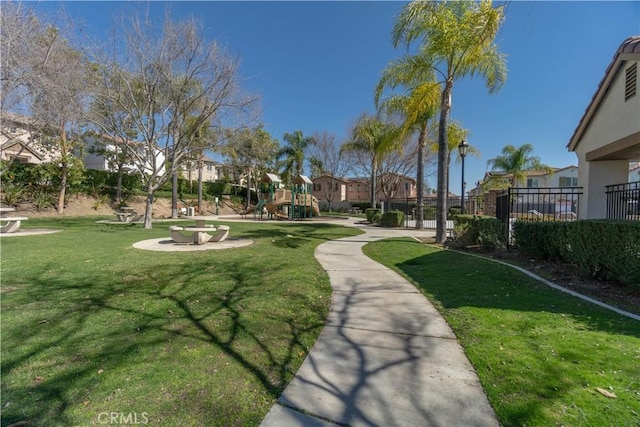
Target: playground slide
{"points": [[272, 207]]}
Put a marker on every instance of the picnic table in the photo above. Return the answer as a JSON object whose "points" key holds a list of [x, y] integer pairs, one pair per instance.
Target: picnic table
{"points": [[201, 232], [126, 214], [10, 224]]}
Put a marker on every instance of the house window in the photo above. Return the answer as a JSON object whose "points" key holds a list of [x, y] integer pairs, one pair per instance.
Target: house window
{"points": [[631, 77], [532, 182], [317, 187], [209, 167], [568, 181]]}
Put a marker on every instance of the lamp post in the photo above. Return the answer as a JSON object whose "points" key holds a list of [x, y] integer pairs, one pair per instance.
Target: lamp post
{"points": [[462, 150], [406, 204]]}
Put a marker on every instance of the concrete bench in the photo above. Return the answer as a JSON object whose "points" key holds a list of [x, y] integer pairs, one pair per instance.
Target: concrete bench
{"points": [[199, 235], [12, 224], [124, 216]]}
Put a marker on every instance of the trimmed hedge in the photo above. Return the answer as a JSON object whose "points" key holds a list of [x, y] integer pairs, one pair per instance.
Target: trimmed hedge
{"points": [[373, 215], [485, 231], [607, 249], [392, 219]]}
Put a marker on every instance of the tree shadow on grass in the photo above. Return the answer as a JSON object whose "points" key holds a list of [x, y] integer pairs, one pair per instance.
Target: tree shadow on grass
{"points": [[555, 354], [59, 334], [456, 281]]}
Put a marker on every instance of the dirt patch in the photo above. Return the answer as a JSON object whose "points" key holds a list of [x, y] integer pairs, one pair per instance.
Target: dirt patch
{"points": [[82, 205]]}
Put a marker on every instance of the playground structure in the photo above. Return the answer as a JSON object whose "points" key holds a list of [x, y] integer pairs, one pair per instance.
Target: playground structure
{"points": [[280, 203]]}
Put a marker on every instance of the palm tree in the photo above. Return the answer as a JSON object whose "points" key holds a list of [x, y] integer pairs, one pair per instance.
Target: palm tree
{"points": [[516, 161], [458, 37], [418, 106], [294, 153], [455, 135], [377, 138]]}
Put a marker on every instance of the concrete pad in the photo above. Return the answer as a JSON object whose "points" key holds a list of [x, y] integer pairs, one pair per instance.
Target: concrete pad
{"points": [[30, 232], [402, 313], [165, 244], [280, 416], [364, 378]]}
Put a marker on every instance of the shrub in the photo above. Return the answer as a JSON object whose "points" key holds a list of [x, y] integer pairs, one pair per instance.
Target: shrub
{"points": [[371, 214], [485, 231], [12, 193], [392, 219], [42, 200], [607, 249], [429, 212]]}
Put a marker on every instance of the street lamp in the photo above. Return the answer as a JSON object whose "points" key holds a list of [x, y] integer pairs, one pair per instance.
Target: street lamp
{"points": [[462, 150]]}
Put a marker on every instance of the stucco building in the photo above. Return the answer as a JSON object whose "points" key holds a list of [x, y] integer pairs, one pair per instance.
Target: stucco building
{"points": [[607, 137]]}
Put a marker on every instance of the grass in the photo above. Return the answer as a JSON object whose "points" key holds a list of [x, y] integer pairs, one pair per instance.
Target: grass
{"points": [[92, 326], [544, 358]]}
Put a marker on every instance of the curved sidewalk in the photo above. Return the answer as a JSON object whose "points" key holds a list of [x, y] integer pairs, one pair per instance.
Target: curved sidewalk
{"points": [[385, 356]]}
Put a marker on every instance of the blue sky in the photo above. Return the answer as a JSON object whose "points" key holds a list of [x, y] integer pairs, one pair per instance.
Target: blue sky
{"points": [[315, 65]]}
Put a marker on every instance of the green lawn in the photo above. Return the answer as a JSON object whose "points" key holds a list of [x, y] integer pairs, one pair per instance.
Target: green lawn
{"points": [[544, 358], [92, 326]]}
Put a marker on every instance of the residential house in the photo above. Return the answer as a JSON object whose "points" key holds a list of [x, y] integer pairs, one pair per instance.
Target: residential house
{"points": [[100, 155], [330, 189], [607, 137], [390, 186], [551, 192], [212, 171], [20, 140], [557, 177]]}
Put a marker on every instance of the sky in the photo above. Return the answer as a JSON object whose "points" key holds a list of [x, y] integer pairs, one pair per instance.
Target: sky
{"points": [[315, 65]]}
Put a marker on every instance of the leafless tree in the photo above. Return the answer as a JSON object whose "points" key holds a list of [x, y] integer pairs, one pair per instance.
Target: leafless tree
{"points": [[327, 158], [44, 78], [170, 83]]}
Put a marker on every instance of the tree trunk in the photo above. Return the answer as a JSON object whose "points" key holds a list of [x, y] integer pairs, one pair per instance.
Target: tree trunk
{"points": [[420, 180], [64, 172], [248, 190], [174, 194], [374, 178], [200, 188], [63, 187], [119, 185], [443, 175], [148, 210]]}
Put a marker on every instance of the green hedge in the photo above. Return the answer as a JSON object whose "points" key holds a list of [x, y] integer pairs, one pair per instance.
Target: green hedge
{"points": [[485, 231], [373, 215], [392, 219], [607, 249]]}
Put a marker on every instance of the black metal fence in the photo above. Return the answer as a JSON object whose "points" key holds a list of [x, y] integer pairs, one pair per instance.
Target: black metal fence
{"points": [[537, 204], [540, 204], [623, 201]]}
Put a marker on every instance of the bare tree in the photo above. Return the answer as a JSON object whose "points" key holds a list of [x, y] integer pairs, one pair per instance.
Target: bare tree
{"points": [[396, 165], [170, 84], [44, 78], [327, 158]]}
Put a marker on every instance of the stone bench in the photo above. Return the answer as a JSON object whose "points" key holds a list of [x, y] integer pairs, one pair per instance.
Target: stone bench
{"points": [[12, 224]]}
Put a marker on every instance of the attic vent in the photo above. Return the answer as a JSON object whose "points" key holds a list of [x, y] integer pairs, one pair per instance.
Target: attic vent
{"points": [[631, 75]]}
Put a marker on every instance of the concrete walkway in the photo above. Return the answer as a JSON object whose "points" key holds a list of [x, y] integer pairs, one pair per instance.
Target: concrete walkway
{"points": [[385, 356]]}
